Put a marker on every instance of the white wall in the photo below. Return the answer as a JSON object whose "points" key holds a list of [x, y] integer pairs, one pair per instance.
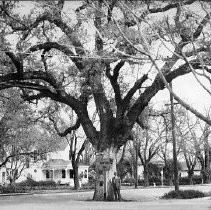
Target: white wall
{"points": [[185, 173], [3, 169], [140, 172]]}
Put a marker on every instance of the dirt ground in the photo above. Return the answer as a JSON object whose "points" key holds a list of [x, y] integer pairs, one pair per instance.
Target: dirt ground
{"points": [[141, 198]]}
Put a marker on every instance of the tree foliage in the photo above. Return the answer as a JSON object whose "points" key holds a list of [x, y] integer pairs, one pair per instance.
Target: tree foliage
{"points": [[22, 137]]}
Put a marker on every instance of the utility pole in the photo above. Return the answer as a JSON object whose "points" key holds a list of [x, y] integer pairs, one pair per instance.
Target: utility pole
{"points": [[136, 164], [176, 178]]}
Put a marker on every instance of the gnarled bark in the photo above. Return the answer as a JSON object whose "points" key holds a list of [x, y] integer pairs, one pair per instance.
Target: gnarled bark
{"points": [[103, 178]]}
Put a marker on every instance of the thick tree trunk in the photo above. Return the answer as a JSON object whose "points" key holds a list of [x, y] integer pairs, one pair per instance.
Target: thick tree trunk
{"points": [[76, 177], [103, 180], [146, 176], [171, 181], [190, 177]]}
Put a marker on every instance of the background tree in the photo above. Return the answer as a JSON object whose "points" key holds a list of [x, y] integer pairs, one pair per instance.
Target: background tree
{"points": [[188, 143], [124, 168], [150, 140], [15, 118], [202, 147], [63, 121], [168, 170], [21, 136]]}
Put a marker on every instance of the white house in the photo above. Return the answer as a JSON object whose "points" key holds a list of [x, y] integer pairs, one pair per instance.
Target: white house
{"points": [[184, 169], [55, 166]]}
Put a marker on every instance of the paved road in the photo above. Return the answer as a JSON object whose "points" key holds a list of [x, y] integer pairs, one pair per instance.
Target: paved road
{"points": [[139, 199]]}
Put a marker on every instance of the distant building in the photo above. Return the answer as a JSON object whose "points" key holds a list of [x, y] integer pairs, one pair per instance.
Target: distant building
{"points": [[56, 166], [184, 169]]}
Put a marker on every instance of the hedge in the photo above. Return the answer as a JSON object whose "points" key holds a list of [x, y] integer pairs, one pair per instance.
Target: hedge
{"points": [[183, 194], [157, 181], [27, 185]]}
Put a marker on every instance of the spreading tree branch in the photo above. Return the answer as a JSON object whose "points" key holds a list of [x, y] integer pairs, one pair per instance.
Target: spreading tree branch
{"points": [[68, 130], [113, 80], [131, 92]]}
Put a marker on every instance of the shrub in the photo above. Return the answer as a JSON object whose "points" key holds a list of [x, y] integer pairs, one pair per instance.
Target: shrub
{"points": [[185, 180], [11, 189], [183, 194], [88, 186], [141, 182], [31, 184], [154, 179], [91, 177], [47, 183], [128, 181], [197, 179], [27, 183]]}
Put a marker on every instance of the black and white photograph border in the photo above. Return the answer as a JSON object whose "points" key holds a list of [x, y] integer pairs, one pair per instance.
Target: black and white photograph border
{"points": [[105, 104]]}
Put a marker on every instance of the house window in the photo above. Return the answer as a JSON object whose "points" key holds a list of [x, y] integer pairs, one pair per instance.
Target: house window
{"points": [[85, 174], [63, 173], [71, 173], [47, 174], [29, 176], [35, 155]]}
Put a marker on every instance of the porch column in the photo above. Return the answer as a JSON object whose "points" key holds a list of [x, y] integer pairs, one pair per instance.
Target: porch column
{"points": [[161, 177], [53, 174]]}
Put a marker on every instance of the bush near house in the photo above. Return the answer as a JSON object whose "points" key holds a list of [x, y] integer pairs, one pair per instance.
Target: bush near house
{"points": [[32, 184], [11, 189], [185, 180], [88, 186], [183, 194], [152, 180], [131, 181], [28, 185], [128, 181], [157, 181]]}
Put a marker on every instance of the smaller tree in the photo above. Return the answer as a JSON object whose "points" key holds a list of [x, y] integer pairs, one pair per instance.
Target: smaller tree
{"points": [[149, 140], [203, 150], [168, 170], [21, 135], [75, 155], [31, 143], [125, 163], [69, 133], [124, 168], [188, 142]]}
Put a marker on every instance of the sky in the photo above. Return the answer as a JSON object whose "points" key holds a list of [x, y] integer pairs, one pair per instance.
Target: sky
{"points": [[188, 89]]}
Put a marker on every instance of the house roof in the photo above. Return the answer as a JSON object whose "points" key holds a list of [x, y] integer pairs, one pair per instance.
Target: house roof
{"points": [[57, 164], [158, 162]]}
